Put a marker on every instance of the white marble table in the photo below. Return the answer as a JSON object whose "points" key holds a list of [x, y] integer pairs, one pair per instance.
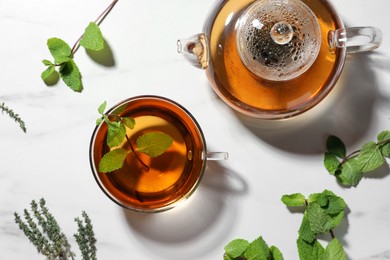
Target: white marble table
{"points": [[237, 198]]}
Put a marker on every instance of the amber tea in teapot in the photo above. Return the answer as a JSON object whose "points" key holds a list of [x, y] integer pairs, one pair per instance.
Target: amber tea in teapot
{"points": [[274, 59]]}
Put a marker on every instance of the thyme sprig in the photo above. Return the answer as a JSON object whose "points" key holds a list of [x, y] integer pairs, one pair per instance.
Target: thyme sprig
{"points": [[44, 232], [14, 116]]}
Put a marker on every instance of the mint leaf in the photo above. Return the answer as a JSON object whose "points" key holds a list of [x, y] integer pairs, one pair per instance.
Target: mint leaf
{"points": [[385, 148], [257, 250], [113, 160], [275, 253], [128, 122], [350, 174], [102, 108], [331, 163], [336, 219], [294, 200], [336, 205], [236, 248], [310, 251], [70, 74], [370, 157], [319, 221], [335, 251], [305, 231], [116, 134], [47, 63], [59, 49], [99, 121], [153, 143], [335, 146], [48, 72], [92, 38]]}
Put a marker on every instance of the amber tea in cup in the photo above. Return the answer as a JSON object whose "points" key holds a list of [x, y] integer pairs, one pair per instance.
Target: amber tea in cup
{"points": [[157, 183]]}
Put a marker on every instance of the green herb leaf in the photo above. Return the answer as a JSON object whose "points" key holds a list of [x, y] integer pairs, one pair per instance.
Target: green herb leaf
{"points": [[305, 231], [275, 253], [310, 251], [335, 146], [370, 157], [60, 50], [99, 121], [236, 247], [113, 160], [92, 38], [46, 74], [70, 74], [153, 143], [294, 200], [320, 222], [332, 164], [116, 134], [257, 250], [129, 122], [47, 63], [335, 251], [350, 174], [385, 148], [102, 108]]}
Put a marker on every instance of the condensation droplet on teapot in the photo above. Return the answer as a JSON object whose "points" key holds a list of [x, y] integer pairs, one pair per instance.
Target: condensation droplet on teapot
{"points": [[278, 40]]}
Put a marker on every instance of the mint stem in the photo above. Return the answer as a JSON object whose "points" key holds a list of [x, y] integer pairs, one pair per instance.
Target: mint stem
{"points": [[356, 153], [98, 21], [136, 155]]}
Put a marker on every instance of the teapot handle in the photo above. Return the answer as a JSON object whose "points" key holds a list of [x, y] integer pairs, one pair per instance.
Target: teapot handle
{"points": [[356, 39], [195, 50]]}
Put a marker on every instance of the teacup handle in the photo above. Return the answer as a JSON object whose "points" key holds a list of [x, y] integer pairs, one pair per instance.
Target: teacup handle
{"points": [[215, 156], [356, 39]]}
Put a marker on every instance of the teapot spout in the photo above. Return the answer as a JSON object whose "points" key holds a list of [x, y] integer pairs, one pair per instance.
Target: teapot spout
{"points": [[195, 50]]}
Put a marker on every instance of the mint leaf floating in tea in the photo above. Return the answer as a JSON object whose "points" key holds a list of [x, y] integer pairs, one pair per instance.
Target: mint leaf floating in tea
{"points": [[113, 160], [350, 169], [152, 144], [63, 55], [92, 38]]}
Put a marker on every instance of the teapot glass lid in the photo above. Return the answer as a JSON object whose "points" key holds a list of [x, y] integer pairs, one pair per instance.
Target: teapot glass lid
{"points": [[278, 40]]}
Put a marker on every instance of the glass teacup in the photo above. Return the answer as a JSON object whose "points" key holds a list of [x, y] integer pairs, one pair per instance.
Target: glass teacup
{"points": [[153, 184]]}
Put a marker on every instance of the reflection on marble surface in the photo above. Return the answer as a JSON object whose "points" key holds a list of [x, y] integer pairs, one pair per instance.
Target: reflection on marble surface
{"points": [[237, 198]]}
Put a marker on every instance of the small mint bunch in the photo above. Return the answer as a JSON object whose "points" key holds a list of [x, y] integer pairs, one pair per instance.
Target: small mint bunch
{"points": [[350, 169], [152, 143], [68, 71], [323, 212], [241, 249]]}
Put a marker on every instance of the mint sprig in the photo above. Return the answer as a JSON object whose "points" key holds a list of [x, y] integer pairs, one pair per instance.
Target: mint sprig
{"points": [[241, 249], [324, 212], [152, 144], [64, 66], [350, 169]]}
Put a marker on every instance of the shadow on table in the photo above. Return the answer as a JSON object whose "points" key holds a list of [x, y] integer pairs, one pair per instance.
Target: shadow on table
{"points": [[104, 57], [197, 226], [346, 112]]}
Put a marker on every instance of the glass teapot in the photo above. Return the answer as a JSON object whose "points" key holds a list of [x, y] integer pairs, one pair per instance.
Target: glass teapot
{"points": [[274, 59]]}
